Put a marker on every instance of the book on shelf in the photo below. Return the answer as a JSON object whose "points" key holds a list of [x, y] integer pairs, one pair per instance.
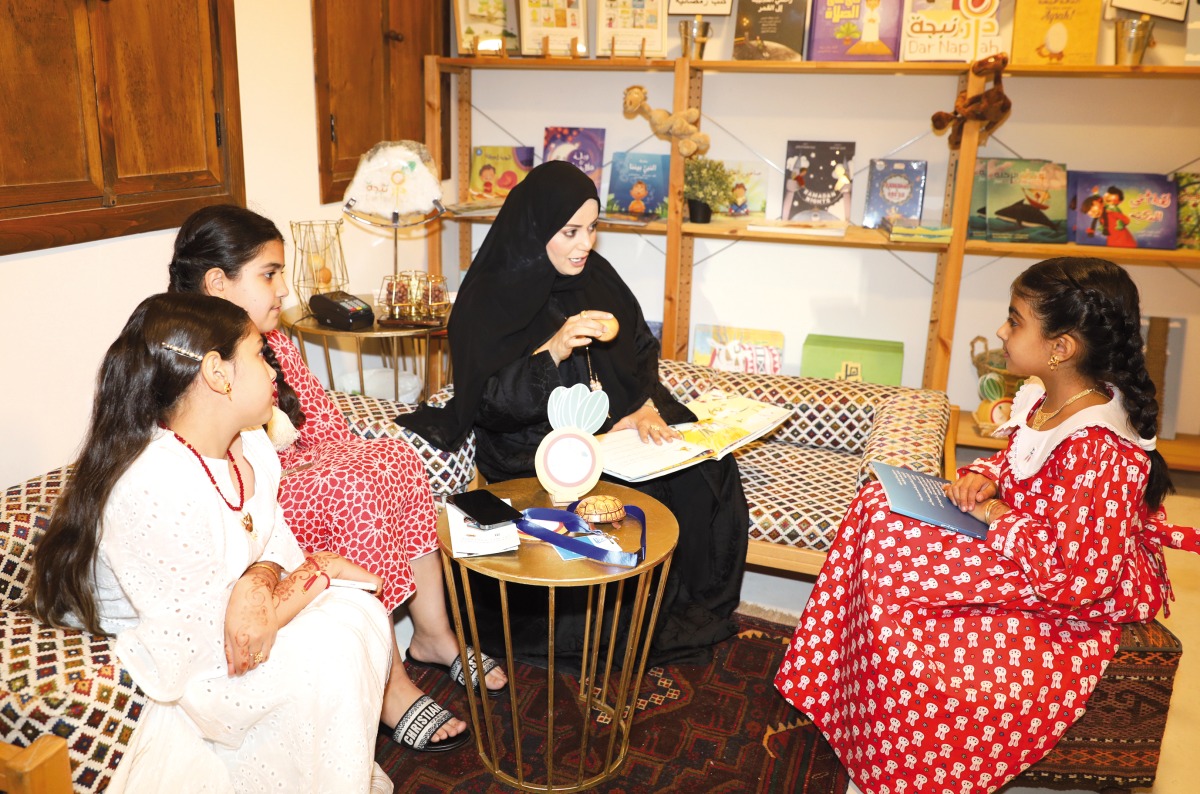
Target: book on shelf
{"points": [[731, 349], [899, 233], [977, 212], [920, 496], [475, 207], [895, 191], [723, 424], [1187, 187], [637, 185], [817, 226], [495, 170], [553, 27], [749, 195], [769, 31], [1167, 9], [468, 539], [817, 180], [1056, 32], [582, 147], [947, 30], [1126, 210], [1026, 201], [855, 30], [852, 359]]}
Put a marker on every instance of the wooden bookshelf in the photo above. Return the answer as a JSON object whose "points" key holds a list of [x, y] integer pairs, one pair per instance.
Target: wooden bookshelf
{"points": [[1181, 453]]}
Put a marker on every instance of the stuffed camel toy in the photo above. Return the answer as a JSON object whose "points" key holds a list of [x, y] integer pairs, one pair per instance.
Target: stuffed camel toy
{"points": [[990, 106], [681, 126]]}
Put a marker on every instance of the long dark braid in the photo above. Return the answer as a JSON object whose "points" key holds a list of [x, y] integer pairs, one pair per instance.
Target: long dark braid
{"points": [[1097, 302], [228, 236]]}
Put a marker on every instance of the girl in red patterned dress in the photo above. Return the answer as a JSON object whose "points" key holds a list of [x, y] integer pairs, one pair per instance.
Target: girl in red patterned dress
{"points": [[367, 500], [934, 662]]}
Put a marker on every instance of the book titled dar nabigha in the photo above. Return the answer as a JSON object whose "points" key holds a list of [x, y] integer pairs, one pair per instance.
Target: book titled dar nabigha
{"points": [[920, 496]]}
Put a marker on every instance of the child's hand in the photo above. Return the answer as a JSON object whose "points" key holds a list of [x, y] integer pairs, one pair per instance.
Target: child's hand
{"points": [[971, 490]]}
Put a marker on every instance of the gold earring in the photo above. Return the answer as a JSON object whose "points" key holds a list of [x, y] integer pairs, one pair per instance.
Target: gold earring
{"points": [[228, 391], [1054, 362]]}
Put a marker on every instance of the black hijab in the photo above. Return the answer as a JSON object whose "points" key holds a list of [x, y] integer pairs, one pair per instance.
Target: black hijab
{"points": [[512, 300]]}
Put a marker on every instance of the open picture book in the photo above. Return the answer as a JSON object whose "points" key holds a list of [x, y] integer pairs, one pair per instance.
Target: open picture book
{"points": [[724, 423]]}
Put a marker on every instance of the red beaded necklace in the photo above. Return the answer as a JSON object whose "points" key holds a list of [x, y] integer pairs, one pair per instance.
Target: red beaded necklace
{"points": [[247, 519]]}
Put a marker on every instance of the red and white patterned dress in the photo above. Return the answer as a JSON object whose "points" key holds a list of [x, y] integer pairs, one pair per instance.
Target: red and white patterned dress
{"points": [[935, 663], [367, 500]]}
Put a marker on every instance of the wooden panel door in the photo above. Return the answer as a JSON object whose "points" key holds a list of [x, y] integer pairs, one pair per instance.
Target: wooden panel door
{"points": [[170, 90], [50, 149], [369, 63]]}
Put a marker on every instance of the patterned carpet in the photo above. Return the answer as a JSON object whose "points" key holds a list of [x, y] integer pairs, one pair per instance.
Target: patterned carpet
{"points": [[714, 728]]}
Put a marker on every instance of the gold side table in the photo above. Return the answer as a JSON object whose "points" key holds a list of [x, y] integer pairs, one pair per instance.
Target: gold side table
{"points": [[299, 323], [608, 683]]}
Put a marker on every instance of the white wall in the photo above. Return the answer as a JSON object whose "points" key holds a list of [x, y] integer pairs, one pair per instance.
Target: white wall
{"points": [[62, 307]]}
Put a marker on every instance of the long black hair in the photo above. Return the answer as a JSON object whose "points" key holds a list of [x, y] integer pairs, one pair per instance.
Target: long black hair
{"points": [[228, 236], [138, 386], [1098, 303]]}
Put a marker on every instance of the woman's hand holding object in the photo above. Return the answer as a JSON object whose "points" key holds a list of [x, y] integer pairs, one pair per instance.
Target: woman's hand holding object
{"points": [[649, 425], [578, 331]]}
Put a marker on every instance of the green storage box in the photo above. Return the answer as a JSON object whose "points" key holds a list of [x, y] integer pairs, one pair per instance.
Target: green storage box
{"points": [[847, 358]]}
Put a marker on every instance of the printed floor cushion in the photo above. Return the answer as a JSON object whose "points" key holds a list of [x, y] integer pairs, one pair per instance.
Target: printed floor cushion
{"points": [[796, 494], [371, 417], [1115, 745]]}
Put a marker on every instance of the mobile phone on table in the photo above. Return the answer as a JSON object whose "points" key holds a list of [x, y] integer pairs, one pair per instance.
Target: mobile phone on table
{"points": [[485, 508]]}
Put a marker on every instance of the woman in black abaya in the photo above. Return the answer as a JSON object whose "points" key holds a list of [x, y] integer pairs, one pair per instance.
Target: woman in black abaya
{"points": [[525, 322]]}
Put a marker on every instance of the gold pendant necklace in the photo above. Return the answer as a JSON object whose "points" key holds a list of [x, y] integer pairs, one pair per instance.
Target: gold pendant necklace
{"points": [[1040, 418]]}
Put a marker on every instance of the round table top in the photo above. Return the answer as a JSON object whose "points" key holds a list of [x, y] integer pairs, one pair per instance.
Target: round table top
{"points": [[536, 563], [299, 318]]}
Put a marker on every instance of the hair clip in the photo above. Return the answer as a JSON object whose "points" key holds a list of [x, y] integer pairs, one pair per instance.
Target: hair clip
{"points": [[181, 351]]}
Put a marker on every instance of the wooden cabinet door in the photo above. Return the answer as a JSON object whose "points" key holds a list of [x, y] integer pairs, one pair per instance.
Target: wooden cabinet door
{"points": [[50, 147], [369, 63], [168, 91]]}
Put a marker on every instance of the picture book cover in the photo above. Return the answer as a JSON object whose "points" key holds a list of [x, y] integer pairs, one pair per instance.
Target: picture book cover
{"points": [[920, 496], [631, 27], [1056, 32], [1191, 47], [749, 199], [977, 218], [817, 180], [1126, 210], [855, 30], [1187, 187], [731, 349], [637, 184], [491, 23], [948, 30], [895, 191], [771, 31], [1026, 201], [495, 170], [553, 24], [582, 147]]}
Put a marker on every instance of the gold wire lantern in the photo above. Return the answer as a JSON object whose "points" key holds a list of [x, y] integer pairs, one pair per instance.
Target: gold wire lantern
{"points": [[319, 266]]}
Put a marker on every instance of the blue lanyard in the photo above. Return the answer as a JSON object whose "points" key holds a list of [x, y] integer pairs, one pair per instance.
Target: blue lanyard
{"points": [[573, 523]]}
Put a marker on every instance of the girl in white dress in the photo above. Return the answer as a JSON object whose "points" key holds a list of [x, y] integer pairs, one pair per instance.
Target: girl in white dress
{"points": [[168, 537]]}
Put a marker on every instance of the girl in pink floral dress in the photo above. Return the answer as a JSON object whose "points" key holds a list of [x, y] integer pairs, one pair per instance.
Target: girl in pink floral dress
{"points": [[367, 500], [934, 662]]}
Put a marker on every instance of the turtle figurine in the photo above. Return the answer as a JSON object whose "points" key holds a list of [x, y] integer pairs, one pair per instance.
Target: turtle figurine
{"points": [[601, 509]]}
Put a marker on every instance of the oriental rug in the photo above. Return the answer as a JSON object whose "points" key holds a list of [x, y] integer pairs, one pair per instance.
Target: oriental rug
{"points": [[719, 727]]}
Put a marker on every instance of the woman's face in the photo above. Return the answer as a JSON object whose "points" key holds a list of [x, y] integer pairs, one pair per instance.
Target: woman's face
{"points": [[252, 380], [569, 248], [260, 287]]}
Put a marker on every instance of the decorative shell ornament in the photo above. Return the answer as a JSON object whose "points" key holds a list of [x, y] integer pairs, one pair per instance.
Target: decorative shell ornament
{"points": [[568, 462], [601, 509]]}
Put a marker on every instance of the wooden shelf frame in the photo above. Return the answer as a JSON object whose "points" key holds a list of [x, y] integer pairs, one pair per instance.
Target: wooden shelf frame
{"points": [[680, 236]]}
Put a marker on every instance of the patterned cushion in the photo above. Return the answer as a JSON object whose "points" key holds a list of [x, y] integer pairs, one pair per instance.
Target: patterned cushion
{"points": [[800, 478], [60, 681], [371, 417]]}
